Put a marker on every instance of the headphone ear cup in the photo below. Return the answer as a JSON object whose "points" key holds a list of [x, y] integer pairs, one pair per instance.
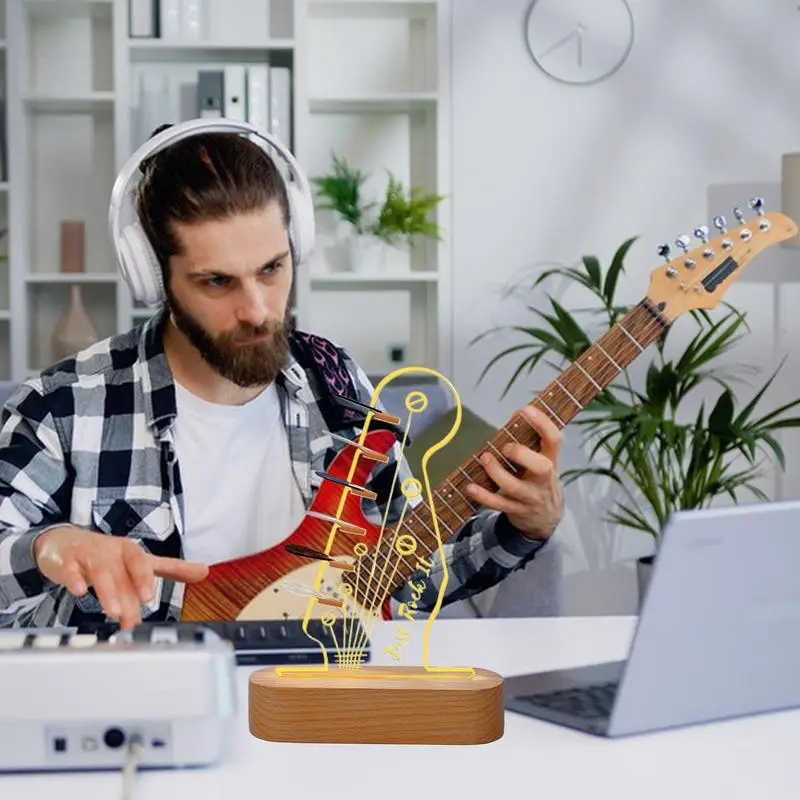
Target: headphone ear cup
{"points": [[139, 266], [303, 227]]}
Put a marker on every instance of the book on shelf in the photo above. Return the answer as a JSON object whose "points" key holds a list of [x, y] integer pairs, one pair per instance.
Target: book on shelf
{"points": [[200, 20]]}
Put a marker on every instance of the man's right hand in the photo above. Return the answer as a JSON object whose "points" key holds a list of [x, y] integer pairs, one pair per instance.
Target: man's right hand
{"points": [[122, 573]]}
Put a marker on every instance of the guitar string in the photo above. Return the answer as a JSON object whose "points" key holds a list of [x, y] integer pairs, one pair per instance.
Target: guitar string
{"points": [[385, 514], [653, 324], [376, 604]]}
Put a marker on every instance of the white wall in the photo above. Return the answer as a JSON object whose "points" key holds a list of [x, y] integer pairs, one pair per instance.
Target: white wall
{"points": [[548, 172]]}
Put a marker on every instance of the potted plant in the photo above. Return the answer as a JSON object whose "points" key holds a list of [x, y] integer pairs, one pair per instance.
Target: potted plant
{"points": [[373, 227], [640, 434]]}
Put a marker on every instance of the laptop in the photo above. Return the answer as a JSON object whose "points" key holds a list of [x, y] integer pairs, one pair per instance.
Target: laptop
{"points": [[718, 634]]}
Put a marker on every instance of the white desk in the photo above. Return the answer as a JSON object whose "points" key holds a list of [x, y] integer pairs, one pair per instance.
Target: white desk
{"points": [[741, 759]]}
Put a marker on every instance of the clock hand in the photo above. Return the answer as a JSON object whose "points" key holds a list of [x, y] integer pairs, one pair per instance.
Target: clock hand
{"points": [[580, 48], [562, 41]]}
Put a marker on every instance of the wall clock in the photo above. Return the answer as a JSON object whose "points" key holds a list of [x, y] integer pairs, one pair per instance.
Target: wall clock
{"points": [[579, 42]]}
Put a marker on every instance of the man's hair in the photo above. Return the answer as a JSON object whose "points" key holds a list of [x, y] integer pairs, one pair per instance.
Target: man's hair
{"points": [[205, 177]]}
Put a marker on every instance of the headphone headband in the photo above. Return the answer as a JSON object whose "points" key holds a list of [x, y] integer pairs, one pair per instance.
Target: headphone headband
{"points": [[176, 133]]}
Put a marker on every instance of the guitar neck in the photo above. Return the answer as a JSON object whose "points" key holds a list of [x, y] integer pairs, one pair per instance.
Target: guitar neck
{"points": [[562, 400]]}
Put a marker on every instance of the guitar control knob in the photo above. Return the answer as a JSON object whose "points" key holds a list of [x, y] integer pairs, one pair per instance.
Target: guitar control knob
{"points": [[757, 204], [701, 233], [720, 223], [683, 242], [664, 251]]}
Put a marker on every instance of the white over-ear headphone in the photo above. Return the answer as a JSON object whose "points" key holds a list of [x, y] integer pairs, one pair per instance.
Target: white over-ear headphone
{"points": [[135, 255]]}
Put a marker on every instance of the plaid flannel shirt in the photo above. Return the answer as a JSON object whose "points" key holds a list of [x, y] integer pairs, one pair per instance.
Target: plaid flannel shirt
{"points": [[89, 442]]}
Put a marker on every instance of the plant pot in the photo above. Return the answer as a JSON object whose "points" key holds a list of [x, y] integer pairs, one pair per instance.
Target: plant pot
{"points": [[644, 566], [366, 253]]}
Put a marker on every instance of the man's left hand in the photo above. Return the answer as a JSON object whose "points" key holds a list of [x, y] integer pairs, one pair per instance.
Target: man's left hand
{"points": [[532, 500]]}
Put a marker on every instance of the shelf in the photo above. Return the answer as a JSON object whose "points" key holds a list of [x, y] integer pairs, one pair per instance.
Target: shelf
{"points": [[146, 49], [89, 103], [97, 9], [72, 277], [371, 8], [352, 280], [378, 103]]}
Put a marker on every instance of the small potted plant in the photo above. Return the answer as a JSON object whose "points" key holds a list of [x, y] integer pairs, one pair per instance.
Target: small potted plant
{"points": [[342, 192], [372, 227], [405, 215]]}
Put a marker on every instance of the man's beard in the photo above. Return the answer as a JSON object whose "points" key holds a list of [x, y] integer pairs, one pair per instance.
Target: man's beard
{"points": [[246, 365]]}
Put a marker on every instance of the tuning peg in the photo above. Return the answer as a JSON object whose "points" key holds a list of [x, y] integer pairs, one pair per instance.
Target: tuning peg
{"points": [[757, 204], [683, 242], [664, 251], [701, 233], [720, 223], [737, 212]]}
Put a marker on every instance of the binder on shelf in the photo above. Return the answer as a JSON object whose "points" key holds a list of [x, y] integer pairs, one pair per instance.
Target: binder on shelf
{"points": [[192, 27], [258, 96], [211, 92], [143, 19], [170, 19], [235, 97], [280, 95]]}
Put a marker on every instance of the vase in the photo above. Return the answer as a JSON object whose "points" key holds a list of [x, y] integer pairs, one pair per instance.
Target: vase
{"points": [[644, 567], [74, 330], [366, 253]]}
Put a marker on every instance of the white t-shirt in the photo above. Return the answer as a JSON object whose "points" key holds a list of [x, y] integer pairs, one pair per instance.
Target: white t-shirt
{"points": [[240, 494]]}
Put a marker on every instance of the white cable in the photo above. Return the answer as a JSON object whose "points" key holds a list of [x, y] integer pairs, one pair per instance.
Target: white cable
{"points": [[131, 765]]}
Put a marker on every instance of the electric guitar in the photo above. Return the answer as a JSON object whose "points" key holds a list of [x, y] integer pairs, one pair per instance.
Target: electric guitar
{"points": [[365, 562]]}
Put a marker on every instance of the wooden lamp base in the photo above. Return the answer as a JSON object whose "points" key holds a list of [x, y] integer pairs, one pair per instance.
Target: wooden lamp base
{"points": [[376, 705]]}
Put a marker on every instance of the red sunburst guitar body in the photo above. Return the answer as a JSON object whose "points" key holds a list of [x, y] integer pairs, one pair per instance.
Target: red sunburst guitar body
{"points": [[249, 588]]}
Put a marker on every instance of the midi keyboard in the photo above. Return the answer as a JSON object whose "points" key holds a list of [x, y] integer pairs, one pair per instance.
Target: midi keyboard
{"points": [[265, 642]]}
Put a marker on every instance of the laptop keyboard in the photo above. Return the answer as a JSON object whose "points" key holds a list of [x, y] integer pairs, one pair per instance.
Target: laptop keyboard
{"points": [[587, 702]]}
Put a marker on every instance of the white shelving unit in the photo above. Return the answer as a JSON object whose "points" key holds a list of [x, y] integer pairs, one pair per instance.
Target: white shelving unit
{"points": [[370, 81]]}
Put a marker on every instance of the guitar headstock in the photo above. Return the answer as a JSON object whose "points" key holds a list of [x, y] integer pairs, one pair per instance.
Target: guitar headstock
{"points": [[698, 278]]}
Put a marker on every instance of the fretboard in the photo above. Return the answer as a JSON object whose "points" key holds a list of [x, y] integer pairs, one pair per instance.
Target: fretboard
{"points": [[562, 400]]}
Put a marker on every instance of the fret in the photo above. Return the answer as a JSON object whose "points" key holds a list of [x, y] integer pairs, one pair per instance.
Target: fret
{"points": [[466, 474], [616, 366], [508, 464], [568, 394], [511, 435], [551, 412], [591, 379], [452, 510], [425, 524], [452, 485], [625, 331], [379, 551]]}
